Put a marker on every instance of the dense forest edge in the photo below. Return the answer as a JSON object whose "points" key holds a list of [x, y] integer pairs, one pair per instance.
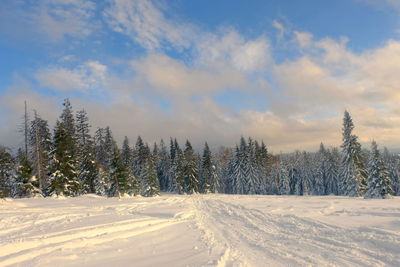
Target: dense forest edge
{"points": [[69, 161]]}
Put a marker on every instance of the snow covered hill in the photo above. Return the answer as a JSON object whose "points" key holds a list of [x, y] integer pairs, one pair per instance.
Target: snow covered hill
{"points": [[200, 230]]}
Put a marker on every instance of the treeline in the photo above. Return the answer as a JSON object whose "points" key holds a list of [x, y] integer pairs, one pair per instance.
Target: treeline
{"points": [[69, 161]]}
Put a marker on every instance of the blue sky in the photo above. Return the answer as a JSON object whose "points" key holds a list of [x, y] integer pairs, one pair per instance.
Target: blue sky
{"points": [[282, 71]]}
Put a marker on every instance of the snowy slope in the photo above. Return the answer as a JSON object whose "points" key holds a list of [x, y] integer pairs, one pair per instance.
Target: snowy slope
{"points": [[200, 230]]}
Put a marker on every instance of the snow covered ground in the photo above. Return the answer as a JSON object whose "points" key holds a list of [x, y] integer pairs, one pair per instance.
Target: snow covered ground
{"points": [[200, 230]]}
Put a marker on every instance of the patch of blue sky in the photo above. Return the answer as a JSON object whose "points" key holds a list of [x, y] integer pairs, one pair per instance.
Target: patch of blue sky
{"points": [[365, 25]]}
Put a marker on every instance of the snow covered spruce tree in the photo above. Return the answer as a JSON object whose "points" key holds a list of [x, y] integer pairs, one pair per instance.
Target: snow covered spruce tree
{"points": [[267, 182], [190, 171], [88, 169], [121, 180], [145, 169], [254, 173], [281, 171], [176, 178], [139, 157], [378, 185], [352, 174], [6, 172], [222, 161], [41, 146], [163, 166], [238, 165], [27, 184], [104, 144], [320, 176], [127, 161], [149, 181], [331, 167], [246, 170], [295, 179], [392, 163], [208, 173], [127, 153], [64, 163]]}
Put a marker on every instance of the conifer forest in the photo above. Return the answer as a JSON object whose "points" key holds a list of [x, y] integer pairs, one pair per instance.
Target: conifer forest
{"points": [[69, 160]]}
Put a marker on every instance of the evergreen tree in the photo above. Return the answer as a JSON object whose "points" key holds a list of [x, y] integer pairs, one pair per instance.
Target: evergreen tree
{"points": [[163, 165], [331, 166], [353, 174], [284, 181], [64, 176], [321, 175], [378, 177], [26, 184], [392, 163], [88, 168], [127, 160], [149, 182], [120, 178], [209, 177], [102, 183], [139, 157], [253, 170], [229, 175], [100, 152], [267, 184], [239, 165], [68, 121], [127, 154], [64, 164], [176, 171], [190, 171], [104, 148], [41, 146], [224, 158], [6, 172]]}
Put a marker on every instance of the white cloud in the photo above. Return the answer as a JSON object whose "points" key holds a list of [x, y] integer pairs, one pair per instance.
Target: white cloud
{"points": [[234, 50], [304, 39], [58, 18], [90, 75], [169, 76], [147, 25], [48, 21]]}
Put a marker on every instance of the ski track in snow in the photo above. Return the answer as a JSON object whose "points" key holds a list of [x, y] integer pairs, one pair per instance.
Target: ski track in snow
{"points": [[200, 230], [257, 237]]}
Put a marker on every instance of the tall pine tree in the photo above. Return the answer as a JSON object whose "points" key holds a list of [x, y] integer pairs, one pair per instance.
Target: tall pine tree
{"points": [[88, 168], [353, 175], [64, 164], [190, 171], [209, 177]]}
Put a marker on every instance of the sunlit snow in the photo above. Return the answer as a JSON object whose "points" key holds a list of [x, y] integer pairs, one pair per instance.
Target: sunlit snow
{"points": [[200, 230]]}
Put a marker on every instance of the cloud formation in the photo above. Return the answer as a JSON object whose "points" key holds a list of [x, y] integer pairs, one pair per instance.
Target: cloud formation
{"points": [[159, 94], [146, 24], [49, 21], [90, 75]]}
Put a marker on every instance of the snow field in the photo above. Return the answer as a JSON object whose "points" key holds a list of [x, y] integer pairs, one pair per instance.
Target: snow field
{"points": [[200, 230]]}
